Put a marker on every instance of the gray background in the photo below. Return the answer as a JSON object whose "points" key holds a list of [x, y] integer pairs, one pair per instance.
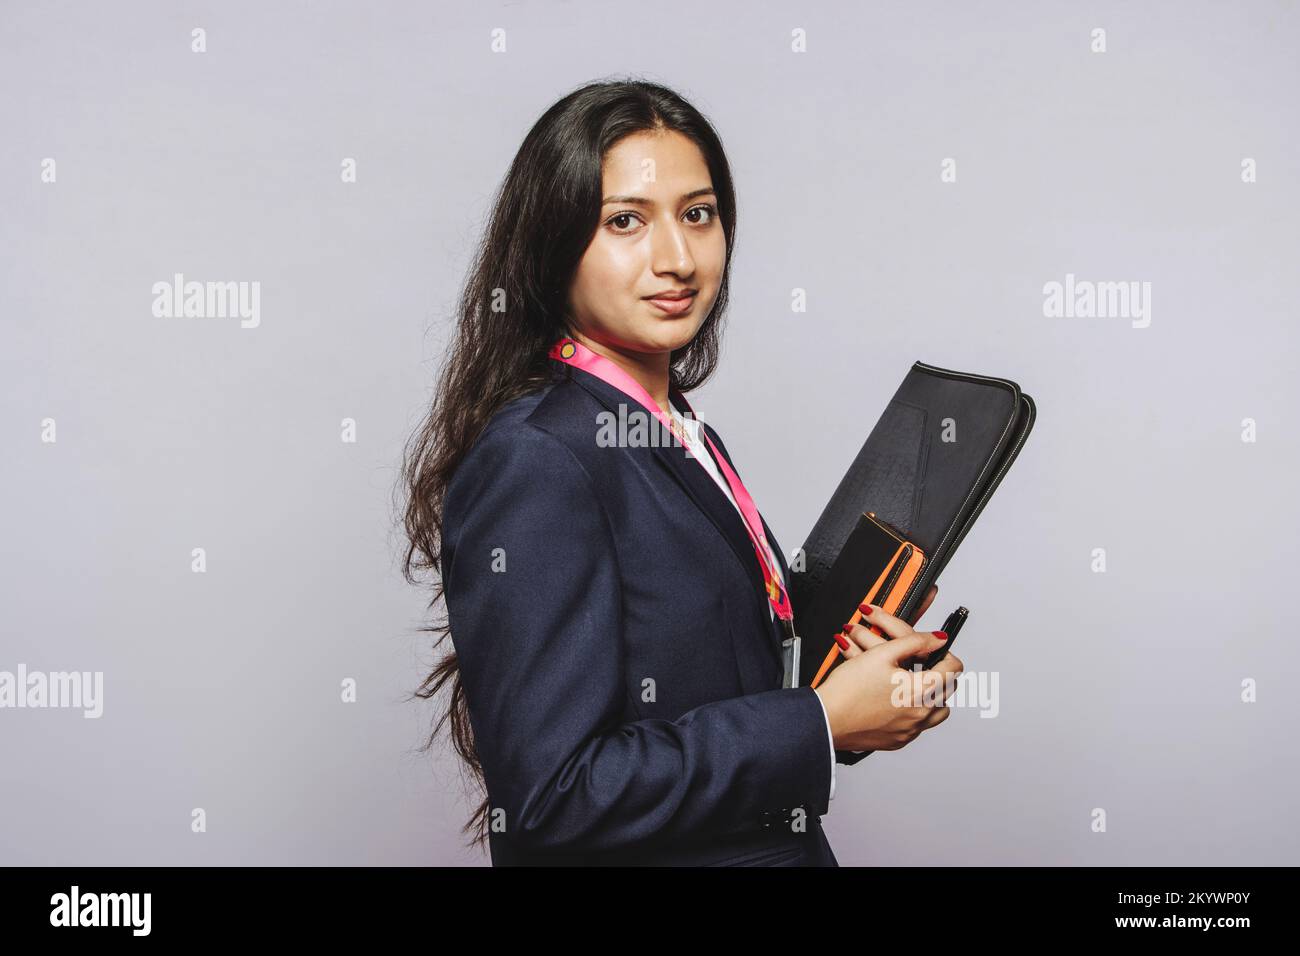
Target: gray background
{"points": [[1118, 690]]}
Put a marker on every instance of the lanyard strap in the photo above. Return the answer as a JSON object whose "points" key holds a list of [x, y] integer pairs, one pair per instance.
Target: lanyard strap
{"points": [[574, 353]]}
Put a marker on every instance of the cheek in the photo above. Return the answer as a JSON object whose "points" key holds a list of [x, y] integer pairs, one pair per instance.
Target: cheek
{"points": [[710, 259], [608, 273], [713, 254], [615, 265]]}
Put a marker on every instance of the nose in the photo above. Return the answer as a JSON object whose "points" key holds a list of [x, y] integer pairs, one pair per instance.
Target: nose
{"points": [[670, 250]]}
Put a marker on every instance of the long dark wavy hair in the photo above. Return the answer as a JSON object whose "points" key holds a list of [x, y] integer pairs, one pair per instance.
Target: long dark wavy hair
{"points": [[514, 305]]}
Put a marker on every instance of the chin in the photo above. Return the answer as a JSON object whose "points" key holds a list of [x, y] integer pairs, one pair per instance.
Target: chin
{"points": [[675, 334]]}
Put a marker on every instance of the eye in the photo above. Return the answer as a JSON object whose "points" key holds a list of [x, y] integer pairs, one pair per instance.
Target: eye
{"points": [[621, 216], [704, 208]]}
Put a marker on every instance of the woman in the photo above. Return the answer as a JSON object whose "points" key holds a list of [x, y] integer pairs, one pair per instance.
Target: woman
{"points": [[616, 603]]}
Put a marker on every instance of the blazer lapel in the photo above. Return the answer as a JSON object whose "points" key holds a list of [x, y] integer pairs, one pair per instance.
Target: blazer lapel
{"points": [[778, 632], [690, 474]]}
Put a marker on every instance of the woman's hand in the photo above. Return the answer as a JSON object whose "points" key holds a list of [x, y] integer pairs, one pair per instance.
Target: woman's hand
{"points": [[860, 694]]}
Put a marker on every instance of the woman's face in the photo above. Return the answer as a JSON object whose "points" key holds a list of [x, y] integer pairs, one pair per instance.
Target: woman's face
{"points": [[659, 232]]}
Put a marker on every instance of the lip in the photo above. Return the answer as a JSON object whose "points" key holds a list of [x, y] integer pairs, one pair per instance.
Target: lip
{"points": [[673, 303]]}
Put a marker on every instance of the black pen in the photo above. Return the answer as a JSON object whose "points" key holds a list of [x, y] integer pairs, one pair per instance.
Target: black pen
{"points": [[950, 627]]}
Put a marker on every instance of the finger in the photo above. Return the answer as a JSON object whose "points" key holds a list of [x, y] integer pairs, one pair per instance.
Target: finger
{"points": [[862, 636], [848, 648], [949, 664], [912, 644], [936, 716], [937, 687], [925, 604], [885, 622], [927, 689], [921, 691]]}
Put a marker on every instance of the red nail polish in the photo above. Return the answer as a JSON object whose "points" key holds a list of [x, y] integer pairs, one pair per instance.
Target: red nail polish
{"points": [[847, 628], [842, 641], [865, 608], [941, 635]]}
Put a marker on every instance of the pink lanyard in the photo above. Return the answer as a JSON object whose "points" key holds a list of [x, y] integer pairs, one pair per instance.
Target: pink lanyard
{"points": [[578, 355]]}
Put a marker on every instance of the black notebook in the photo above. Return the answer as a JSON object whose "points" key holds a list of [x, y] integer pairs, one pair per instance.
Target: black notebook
{"points": [[928, 468]]}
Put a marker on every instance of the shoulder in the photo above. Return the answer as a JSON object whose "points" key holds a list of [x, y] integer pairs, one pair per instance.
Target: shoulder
{"points": [[531, 443], [521, 482], [562, 409]]}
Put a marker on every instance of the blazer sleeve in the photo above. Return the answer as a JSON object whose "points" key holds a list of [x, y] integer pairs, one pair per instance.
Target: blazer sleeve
{"points": [[534, 601]]}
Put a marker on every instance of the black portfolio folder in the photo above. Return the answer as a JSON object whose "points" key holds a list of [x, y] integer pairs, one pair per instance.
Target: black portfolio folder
{"points": [[928, 468]]}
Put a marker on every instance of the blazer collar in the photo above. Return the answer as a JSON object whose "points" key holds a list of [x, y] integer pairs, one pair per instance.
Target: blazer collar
{"points": [[699, 485]]}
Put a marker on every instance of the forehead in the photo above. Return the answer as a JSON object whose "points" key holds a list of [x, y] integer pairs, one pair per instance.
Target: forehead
{"points": [[651, 163]]}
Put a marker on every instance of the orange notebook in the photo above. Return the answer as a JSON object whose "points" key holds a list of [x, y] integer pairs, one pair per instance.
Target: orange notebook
{"points": [[876, 552]]}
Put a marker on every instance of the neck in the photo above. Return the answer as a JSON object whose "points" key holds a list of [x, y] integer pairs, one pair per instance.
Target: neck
{"points": [[650, 369]]}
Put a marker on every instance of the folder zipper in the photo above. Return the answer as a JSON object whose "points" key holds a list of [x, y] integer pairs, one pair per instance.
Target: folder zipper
{"points": [[984, 499], [936, 560]]}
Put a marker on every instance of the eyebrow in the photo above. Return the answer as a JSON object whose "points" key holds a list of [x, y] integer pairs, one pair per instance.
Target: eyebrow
{"points": [[643, 201]]}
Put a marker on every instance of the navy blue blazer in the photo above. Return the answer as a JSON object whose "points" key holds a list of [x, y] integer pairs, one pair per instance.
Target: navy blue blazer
{"points": [[620, 663]]}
